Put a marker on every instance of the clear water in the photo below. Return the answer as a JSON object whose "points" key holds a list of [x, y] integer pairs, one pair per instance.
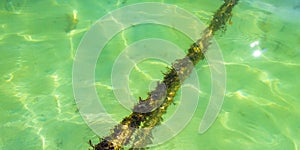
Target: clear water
{"points": [[37, 49]]}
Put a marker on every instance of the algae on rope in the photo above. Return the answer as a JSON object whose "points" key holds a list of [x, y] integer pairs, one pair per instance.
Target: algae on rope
{"points": [[147, 113]]}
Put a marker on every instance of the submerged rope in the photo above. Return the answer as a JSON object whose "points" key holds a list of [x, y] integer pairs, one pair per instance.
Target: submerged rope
{"points": [[148, 112]]}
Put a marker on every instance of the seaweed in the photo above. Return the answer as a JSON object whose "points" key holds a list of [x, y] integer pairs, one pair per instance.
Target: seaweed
{"points": [[72, 21], [148, 112]]}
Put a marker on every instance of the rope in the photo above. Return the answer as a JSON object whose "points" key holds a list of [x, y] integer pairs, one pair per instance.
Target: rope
{"points": [[148, 112]]}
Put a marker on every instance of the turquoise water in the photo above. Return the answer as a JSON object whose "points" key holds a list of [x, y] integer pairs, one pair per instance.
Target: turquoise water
{"points": [[38, 43]]}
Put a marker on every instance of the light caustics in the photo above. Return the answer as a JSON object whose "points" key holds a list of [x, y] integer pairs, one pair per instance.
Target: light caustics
{"points": [[257, 52]]}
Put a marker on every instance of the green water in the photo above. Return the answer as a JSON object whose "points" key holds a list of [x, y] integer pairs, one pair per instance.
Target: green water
{"points": [[38, 42]]}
